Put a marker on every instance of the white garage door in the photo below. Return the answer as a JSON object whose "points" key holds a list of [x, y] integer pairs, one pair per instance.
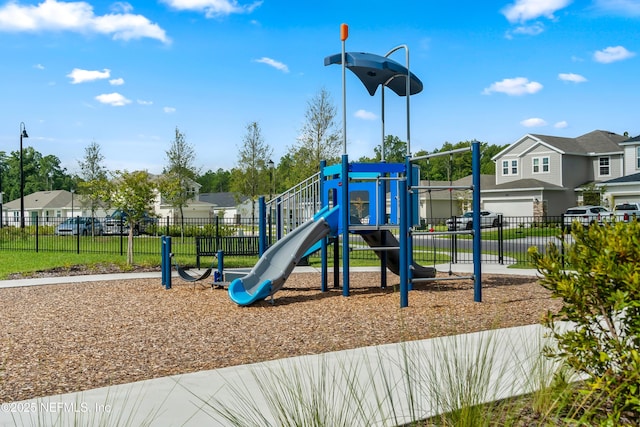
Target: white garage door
{"points": [[510, 207], [626, 199]]}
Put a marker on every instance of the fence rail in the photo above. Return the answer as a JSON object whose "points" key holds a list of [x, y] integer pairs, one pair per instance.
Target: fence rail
{"points": [[506, 243]]}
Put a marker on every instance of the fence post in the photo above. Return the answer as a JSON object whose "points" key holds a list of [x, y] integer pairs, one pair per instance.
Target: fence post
{"points": [[500, 240], [562, 233], [78, 234], [37, 233], [217, 236]]}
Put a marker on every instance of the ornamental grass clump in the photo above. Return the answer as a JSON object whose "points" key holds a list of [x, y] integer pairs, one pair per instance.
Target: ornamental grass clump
{"points": [[601, 296]]}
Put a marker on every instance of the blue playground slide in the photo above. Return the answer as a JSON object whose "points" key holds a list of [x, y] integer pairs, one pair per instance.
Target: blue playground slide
{"points": [[277, 263]]}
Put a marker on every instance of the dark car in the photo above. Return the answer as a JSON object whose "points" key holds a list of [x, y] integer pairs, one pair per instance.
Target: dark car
{"points": [[118, 223]]}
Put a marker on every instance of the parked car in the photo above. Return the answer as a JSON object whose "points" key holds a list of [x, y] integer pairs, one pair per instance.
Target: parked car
{"points": [[83, 225], [117, 223], [625, 212], [587, 215], [465, 222]]}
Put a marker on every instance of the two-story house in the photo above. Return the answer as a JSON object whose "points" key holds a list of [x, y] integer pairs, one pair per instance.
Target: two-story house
{"points": [[541, 175], [625, 188]]}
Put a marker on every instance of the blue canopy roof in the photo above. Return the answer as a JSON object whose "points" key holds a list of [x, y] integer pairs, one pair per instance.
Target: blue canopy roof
{"points": [[375, 70]]}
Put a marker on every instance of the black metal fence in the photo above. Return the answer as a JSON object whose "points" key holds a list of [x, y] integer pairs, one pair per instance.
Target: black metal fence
{"points": [[504, 242]]}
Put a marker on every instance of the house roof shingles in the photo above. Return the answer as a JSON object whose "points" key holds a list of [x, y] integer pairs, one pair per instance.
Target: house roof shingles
{"points": [[222, 200], [597, 141], [43, 200]]}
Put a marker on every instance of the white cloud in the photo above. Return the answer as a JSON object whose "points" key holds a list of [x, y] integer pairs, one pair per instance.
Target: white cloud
{"points": [[116, 82], [561, 125], [529, 30], [533, 122], [514, 87], [612, 54], [213, 8], [365, 115], [273, 63], [143, 102], [78, 75], [169, 110], [121, 6], [114, 99], [570, 77], [527, 10], [39, 67], [625, 8], [78, 17]]}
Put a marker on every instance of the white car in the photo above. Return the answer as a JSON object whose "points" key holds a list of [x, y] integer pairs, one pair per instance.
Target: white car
{"points": [[587, 215], [465, 222]]}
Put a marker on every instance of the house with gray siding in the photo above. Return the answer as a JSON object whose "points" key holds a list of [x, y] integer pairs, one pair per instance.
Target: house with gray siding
{"points": [[543, 175], [625, 188]]}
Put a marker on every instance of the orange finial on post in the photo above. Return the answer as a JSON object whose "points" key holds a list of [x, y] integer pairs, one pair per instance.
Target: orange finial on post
{"points": [[344, 32]]}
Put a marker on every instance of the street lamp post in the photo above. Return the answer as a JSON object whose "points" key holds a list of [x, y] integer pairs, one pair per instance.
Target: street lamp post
{"points": [[23, 134]]}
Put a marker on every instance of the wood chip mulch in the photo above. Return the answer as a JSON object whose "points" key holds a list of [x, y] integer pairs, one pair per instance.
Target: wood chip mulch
{"points": [[73, 337]]}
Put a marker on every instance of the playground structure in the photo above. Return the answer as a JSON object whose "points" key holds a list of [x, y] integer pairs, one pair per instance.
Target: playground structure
{"points": [[369, 199]]}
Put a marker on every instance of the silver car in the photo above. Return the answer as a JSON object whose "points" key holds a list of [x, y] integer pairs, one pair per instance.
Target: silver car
{"points": [[465, 222], [83, 225]]}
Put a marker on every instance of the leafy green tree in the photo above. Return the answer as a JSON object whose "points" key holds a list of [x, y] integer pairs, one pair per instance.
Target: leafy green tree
{"points": [[134, 193], [459, 165], [251, 175], [592, 194], [215, 182], [176, 183], [601, 300], [93, 183], [41, 173], [395, 151]]}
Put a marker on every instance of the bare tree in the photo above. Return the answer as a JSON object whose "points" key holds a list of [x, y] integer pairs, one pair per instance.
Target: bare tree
{"points": [[250, 177], [320, 137], [94, 184], [176, 184]]}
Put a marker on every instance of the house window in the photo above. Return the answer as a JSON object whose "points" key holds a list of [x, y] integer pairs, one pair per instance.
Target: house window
{"points": [[604, 166], [509, 167], [540, 164], [638, 157]]}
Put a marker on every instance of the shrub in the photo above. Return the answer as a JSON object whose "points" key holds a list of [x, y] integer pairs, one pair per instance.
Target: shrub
{"points": [[602, 303]]}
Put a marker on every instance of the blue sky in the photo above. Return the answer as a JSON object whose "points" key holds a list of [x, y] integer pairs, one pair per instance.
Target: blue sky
{"points": [[126, 74]]}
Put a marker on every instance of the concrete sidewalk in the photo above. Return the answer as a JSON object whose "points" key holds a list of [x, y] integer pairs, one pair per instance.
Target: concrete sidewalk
{"points": [[361, 387], [365, 385]]}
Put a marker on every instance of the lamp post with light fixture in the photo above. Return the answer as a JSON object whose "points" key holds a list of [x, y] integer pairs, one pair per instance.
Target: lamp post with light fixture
{"points": [[23, 134]]}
